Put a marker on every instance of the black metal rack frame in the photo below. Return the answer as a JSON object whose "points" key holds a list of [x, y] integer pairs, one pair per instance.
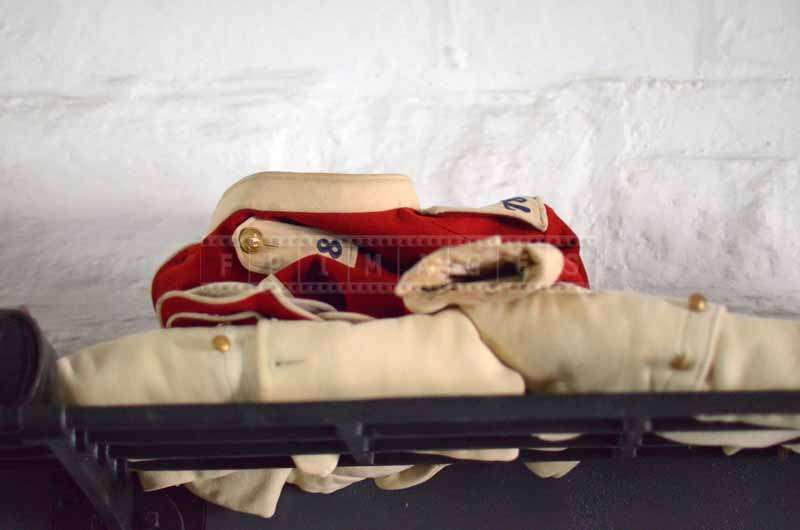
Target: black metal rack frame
{"points": [[101, 446]]}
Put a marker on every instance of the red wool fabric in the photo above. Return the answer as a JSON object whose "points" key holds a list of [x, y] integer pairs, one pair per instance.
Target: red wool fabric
{"points": [[389, 243]]}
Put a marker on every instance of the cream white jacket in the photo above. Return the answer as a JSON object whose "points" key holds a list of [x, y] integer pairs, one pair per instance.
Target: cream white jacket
{"points": [[282, 361], [494, 335]]}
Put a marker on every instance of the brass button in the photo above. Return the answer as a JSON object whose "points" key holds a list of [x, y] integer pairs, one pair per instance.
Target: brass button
{"points": [[697, 302], [221, 343], [251, 240], [681, 362]]}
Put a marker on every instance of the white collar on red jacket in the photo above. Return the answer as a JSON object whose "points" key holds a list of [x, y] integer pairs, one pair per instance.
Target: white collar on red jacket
{"points": [[317, 193]]}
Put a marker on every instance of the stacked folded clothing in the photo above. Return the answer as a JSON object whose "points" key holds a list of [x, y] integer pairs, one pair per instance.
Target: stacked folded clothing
{"points": [[317, 287]]}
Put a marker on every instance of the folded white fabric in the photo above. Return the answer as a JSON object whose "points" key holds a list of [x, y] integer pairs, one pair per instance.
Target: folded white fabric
{"points": [[477, 272], [257, 491], [572, 340], [566, 339], [282, 361]]}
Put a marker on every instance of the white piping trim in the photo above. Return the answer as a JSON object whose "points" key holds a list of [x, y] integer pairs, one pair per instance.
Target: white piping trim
{"points": [[221, 319], [346, 316], [246, 292]]}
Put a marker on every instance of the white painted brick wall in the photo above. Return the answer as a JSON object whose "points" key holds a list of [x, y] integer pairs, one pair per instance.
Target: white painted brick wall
{"points": [[667, 133]]}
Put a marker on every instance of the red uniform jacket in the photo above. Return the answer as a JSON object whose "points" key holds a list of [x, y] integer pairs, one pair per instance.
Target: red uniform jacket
{"points": [[355, 262]]}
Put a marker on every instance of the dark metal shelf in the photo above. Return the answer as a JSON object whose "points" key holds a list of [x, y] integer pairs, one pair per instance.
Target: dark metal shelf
{"points": [[101, 446]]}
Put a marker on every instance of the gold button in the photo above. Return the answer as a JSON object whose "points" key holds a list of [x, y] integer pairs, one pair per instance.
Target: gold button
{"points": [[681, 362], [251, 240], [221, 343], [697, 302]]}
